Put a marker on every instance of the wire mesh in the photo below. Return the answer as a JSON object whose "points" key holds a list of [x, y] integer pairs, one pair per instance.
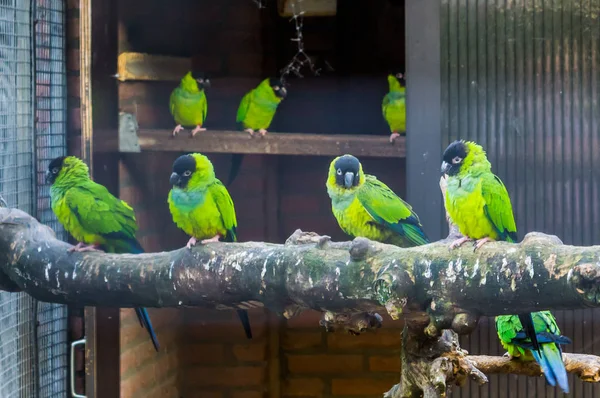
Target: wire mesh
{"points": [[50, 142], [33, 360]]}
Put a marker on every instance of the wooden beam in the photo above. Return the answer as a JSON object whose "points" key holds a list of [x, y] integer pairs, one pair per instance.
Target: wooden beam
{"points": [[215, 141], [140, 66]]}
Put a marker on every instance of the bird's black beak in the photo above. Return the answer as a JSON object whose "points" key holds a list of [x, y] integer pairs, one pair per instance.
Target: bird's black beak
{"points": [[49, 179], [175, 179], [282, 92], [349, 179], [204, 83], [445, 167]]}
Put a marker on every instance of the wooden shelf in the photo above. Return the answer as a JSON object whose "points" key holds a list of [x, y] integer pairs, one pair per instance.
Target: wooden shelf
{"points": [[148, 67], [214, 141]]}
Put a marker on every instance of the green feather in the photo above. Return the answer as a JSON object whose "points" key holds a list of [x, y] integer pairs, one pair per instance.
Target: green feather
{"points": [[188, 103], [393, 106], [258, 107]]}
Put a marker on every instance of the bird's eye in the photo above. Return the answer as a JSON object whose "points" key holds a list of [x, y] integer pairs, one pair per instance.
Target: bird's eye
{"points": [[187, 173], [339, 172], [399, 75], [276, 88], [55, 171], [456, 160]]}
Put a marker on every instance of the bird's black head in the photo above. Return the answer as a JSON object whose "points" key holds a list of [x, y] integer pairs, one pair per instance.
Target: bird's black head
{"points": [[201, 78], [400, 76], [453, 158], [183, 168], [278, 87], [347, 171], [54, 169]]}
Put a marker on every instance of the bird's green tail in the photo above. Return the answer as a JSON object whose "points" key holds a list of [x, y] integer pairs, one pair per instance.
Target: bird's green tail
{"points": [[550, 360], [236, 164]]}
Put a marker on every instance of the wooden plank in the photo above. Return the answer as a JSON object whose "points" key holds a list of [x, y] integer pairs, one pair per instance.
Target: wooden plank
{"points": [[140, 66], [215, 141]]}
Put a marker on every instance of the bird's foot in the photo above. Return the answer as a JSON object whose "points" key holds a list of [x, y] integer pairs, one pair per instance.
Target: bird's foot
{"points": [[459, 242], [262, 132], [507, 355], [81, 247], [197, 130], [211, 240], [191, 242], [481, 242], [249, 131], [393, 137], [177, 129]]}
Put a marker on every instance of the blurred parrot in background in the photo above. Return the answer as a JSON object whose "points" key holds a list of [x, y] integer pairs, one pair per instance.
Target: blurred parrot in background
{"points": [[478, 203], [256, 112], [94, 217], [202, 208], [549, 357], [365, 206], [188, 103], [394, 105]]}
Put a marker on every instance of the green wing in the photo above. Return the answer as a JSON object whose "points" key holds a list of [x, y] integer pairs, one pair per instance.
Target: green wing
{"points": [[384, 104], [99, 212], [172, 100], [204, 108], [388, 209], [243, 108], [498, 208], [226, 208]]}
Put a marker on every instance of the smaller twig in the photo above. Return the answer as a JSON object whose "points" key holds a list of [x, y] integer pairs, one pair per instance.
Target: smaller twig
{"points": [[301, 58]]}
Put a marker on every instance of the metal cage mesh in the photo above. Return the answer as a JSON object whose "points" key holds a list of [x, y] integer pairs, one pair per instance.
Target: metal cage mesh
{"points": [[33, 360]]}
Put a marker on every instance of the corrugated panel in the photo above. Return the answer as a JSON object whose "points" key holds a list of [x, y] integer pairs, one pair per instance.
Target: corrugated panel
{"points": [[522, 78]]}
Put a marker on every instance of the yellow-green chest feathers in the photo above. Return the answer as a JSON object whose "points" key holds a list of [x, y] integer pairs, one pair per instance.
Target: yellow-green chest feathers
{"points": [[188, 103], [394, 106], [259, 105]]}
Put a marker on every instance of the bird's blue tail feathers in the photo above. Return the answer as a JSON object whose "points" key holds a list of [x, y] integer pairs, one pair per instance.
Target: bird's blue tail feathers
{"points": [[144, 318], [552, 365]]}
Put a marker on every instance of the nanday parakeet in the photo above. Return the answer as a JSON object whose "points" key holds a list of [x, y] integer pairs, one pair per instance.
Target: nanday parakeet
{"points": [[549, 357], [255, 113], [188, 103], [365, 206], [93, 216], [394, 105], [478, 203], [202, 207]]}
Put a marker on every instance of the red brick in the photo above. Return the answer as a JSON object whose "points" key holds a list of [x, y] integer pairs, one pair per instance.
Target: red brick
{"points": [[378, 339], [296, 340], [362, 386], [306, 319], [324, 363], [203, 394], [73, 60], [302, 387], [249, 352], [247, 394], [73, 88], [73, 4], [73, 28], [204, 354], [75, 119], [385, 363], [239, 376]]}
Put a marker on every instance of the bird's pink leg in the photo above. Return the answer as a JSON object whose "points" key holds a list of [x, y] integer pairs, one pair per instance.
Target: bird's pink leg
{"points": [[211, 240], [81, 247], [262, 132], [249, 131], [393, 136], [191, 242], [483, 241], [177, 129], [459, 242], [197, 130]]}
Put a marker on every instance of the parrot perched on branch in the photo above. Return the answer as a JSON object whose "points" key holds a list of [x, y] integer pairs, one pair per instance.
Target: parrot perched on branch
{"points": [[94, 217], [478, 203], [202, 208], [365, 206], [256, 112], [549, 357], [394, 105], [188, 103]]}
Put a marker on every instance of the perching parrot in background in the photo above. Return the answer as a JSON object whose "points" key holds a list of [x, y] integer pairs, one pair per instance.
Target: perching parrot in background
{"points": [[202, 208], [94, 217], [256, 112], [478, 203], [394, 105], [188, 103], [365, 206], [549, 357]]}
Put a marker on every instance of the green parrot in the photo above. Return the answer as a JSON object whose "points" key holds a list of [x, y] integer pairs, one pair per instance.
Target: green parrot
{"points": [[201, 206], [256, 112], [549, 357], [478, 203], [94, 217], [394, 105], [365, 206], [188, 103]]}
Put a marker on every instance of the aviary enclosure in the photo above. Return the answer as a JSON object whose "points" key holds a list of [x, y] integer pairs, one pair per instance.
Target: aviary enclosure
{"points": [[521, 78]]}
